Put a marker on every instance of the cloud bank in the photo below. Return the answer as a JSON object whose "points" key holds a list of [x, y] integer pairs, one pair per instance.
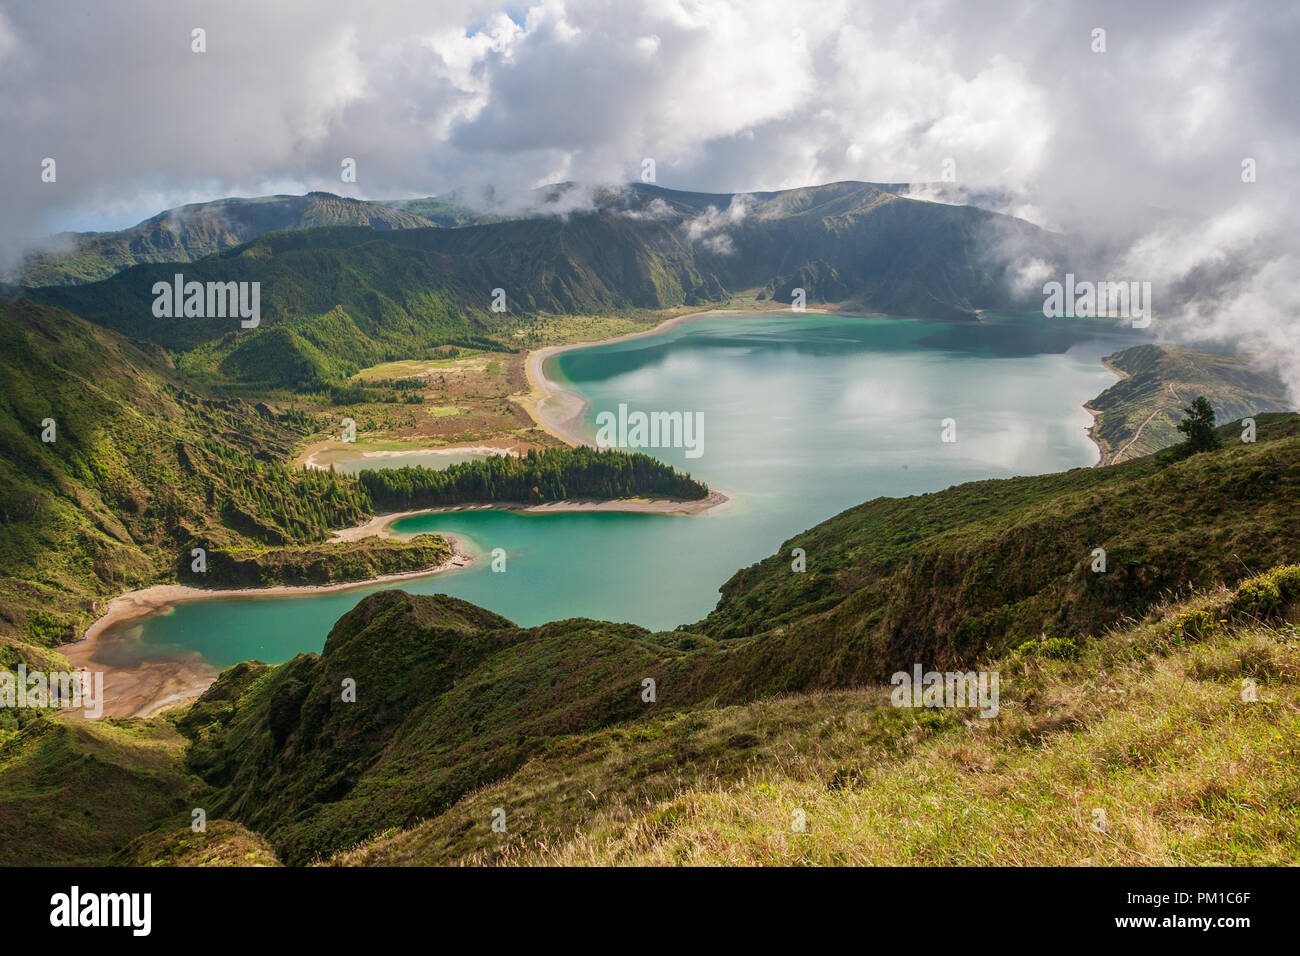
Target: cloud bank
{"points": [[1132, 140]]}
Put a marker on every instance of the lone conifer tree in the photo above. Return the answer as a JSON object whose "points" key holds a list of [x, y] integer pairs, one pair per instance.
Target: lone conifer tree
{"points": [[1198, 425]]}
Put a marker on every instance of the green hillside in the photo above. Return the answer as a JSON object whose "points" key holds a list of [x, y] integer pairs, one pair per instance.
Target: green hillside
{"points": [[222, 843], [864, 246], [451, 698], [447, 211], [55, 774], [983, 566], [335, 300], [1140, 413], [141, 470], [1135, 749], [1147, 724]]}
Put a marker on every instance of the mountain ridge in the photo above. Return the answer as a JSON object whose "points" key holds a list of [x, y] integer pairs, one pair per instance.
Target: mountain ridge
{"points": [[335, 299], [189, 232]]}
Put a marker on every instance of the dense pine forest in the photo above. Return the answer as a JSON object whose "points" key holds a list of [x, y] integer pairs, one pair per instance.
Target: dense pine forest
{"points": [[552, 475], [274, 504]]}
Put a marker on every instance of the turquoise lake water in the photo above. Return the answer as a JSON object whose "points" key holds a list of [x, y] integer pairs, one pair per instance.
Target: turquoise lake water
{"points": [[804, 416]]}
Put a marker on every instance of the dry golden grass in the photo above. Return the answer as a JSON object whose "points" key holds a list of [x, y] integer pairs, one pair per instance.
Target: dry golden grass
{"points": [[223, 843]]}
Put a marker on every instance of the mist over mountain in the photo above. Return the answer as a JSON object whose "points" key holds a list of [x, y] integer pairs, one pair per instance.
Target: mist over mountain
{"points": [[1166, 144], [363, 294]]}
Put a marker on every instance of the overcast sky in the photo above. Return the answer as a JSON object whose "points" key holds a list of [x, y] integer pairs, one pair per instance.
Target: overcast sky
{"points": [[1138, 148]]}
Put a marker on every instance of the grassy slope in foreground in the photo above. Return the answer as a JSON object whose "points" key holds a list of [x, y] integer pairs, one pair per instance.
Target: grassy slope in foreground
{"points": [[1147, 725], [451, 698], [56, 772], [1139, 414], [75, 791]]}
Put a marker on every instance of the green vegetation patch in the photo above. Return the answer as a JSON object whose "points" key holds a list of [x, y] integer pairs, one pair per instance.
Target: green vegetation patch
{"points": [[75, 791], [1132, 749], [329, 563], [553, 474]]}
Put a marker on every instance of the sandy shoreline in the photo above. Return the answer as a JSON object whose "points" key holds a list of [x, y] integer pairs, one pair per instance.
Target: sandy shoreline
{"points": [[1091, 432], [556, 409], [309, 455], [147, 687], [1092, 429], [381, 526]]}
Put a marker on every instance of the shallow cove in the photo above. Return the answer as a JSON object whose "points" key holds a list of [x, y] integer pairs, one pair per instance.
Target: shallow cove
{"points": [[804, 416]]}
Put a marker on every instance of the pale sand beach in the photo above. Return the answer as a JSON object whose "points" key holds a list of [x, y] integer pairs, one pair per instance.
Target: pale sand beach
{"points": [[380, 526], [310, 456], [556, 409], [1091, 432], [148, 687], [1092, 429]]}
